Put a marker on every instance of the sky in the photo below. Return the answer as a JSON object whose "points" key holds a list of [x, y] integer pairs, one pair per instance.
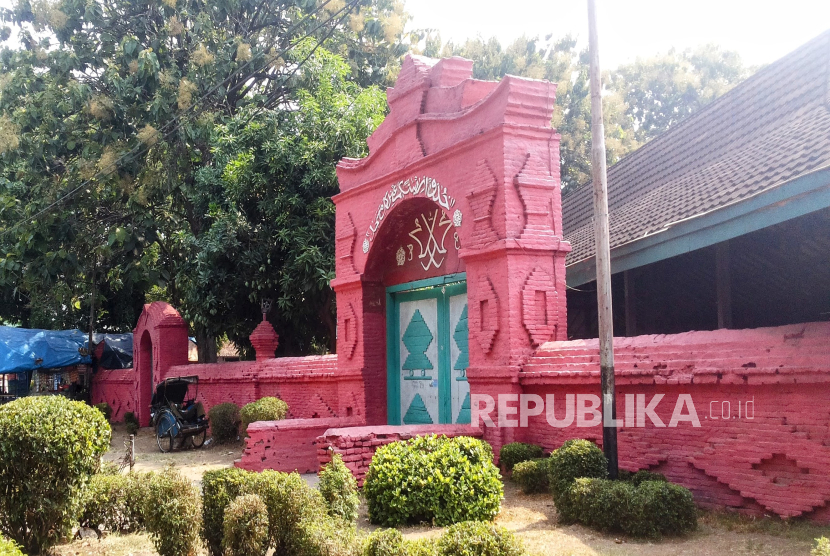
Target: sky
{"points": [[761, 31]]}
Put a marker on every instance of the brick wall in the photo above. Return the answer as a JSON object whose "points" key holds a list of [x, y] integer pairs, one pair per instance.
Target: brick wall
{"points": [[115, 387], [772, 456], [287, 445]]}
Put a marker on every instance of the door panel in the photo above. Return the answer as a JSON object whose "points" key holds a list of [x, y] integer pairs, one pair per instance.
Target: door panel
{"points": [[428, 356], [459, 358], [418, 348]]}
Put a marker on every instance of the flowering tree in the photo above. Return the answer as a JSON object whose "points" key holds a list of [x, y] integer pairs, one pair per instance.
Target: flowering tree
{"points": [[108, 113]]}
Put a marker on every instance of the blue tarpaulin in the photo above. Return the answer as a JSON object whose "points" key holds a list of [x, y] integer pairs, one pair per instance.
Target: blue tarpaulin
{"points": [[26, 349]]}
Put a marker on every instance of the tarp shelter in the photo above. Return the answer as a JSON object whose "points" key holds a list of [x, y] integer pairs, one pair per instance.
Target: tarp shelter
{"points": [[114, 351], [25, 349]]}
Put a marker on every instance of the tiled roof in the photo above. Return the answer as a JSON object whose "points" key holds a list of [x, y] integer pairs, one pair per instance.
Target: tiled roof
{"points": [[769, 129]]}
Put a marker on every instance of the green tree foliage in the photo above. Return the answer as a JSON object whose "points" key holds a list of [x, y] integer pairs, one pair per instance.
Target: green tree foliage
{"points": [[117, 105], [663, 90], [269, 226], [640, 100]]}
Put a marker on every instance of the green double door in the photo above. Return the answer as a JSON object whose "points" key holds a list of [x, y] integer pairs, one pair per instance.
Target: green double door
{"points": [[428, 355]]}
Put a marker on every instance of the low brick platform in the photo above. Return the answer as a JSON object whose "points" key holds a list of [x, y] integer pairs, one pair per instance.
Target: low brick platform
{"points": [[287, 445], [357, 445]]}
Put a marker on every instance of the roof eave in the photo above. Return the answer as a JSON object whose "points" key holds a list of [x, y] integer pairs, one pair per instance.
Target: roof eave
{"points": [[802, 195]]}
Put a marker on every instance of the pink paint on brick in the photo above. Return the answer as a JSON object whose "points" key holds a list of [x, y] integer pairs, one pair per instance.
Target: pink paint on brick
{"points": [[287, 445], [483, 156], [777, 461], [117, 388]]}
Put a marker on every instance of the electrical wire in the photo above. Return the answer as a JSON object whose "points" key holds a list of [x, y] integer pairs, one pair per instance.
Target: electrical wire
{"points": [[177, 120]]}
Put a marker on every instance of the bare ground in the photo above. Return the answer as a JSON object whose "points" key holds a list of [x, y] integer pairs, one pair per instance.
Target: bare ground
{"points": [[531, 517], [191, 462]]}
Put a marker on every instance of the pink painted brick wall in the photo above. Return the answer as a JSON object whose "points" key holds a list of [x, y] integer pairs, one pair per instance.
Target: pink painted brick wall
{"points": [[115, 387], [287, 445], [774, 460]]}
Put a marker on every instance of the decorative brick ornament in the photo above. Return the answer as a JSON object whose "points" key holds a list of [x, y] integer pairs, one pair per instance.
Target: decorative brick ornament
{"points": [[485, 321], [540, 313], [481, 202], [344, 243], [349, 330]]}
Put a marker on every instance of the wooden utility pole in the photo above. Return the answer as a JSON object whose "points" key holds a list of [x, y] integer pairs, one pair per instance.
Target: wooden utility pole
{"points": [[603, 260]]}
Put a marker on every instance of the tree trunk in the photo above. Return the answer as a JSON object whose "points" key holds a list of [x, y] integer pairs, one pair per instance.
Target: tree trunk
{"points": [[206, 345]]}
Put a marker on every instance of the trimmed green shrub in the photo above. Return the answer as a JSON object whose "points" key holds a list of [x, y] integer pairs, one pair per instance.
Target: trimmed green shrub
{"points": [[171, 513], [574, 459], [290, 500], [219, 488], [384, 542], [297, 513], [105, 410], [474, 538], [822, 547], [420, 547], [600, 503], [433, 479], [131, 423], [323, 536], [224, 422], [517, 452], [113, 501], [43, 490], [9, 548], [660, 508], [652, 509], [532, 475], [264, 409], [246, 527], [339, 489], [640, 476]]}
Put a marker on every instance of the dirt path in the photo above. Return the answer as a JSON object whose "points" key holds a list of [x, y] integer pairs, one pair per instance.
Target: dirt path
{"points": [[192, 462]]}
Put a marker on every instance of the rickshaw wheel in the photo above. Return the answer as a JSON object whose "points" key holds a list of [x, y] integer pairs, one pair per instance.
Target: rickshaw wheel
{"points": [[165, 442], [198, 440]]}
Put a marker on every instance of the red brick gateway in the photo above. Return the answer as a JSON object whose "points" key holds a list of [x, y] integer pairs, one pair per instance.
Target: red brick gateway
{"points": [[450, 268]]}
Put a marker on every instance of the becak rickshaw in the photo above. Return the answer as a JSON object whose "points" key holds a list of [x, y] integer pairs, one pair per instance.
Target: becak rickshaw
{"points": [[176, 415]]}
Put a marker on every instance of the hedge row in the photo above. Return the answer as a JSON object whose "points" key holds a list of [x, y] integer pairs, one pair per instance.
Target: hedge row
{"points": [[165, 504], [644, 505], [469, 538], [433, 479]]}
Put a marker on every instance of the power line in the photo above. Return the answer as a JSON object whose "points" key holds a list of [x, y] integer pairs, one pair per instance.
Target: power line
{"points": [[341, 13]]}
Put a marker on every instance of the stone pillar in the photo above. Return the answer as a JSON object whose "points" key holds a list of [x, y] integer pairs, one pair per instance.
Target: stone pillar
{"points": [[515, 268], [361, 346]]}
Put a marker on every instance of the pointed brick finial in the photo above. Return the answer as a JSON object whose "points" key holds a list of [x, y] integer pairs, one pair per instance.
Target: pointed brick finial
{"points": [[264, 340]]}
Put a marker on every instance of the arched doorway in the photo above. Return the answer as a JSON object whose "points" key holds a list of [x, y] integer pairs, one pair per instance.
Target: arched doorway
{"points": [[415, 257], [145, 378]]}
